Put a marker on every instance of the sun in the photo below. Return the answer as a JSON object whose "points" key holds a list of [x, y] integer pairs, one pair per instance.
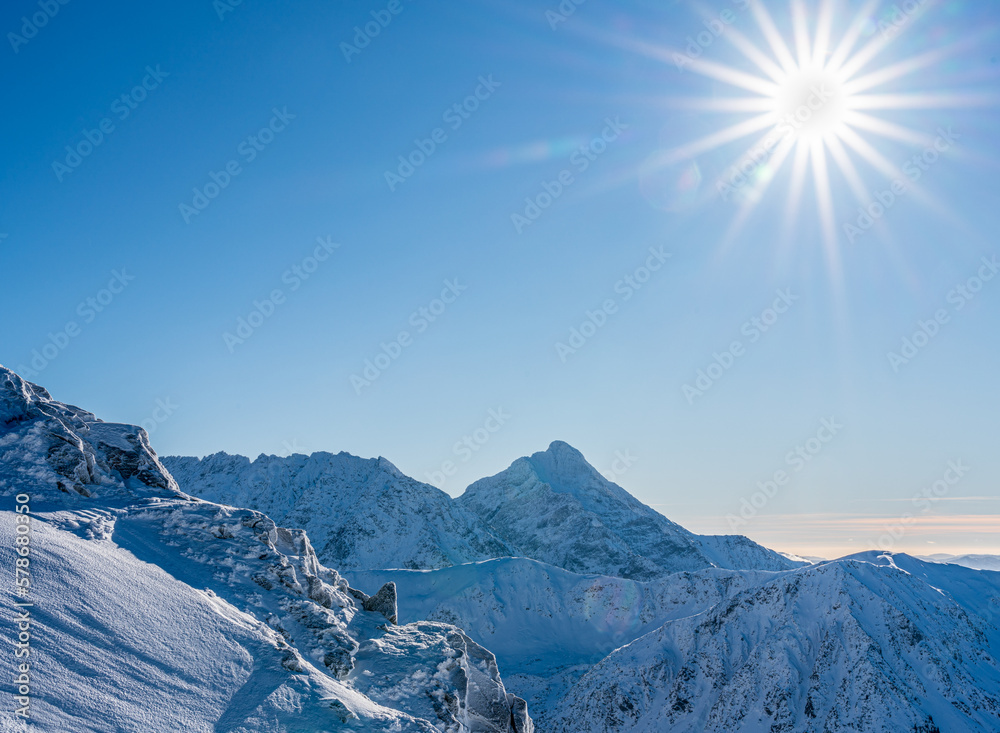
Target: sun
{"points": [[812, 102]]}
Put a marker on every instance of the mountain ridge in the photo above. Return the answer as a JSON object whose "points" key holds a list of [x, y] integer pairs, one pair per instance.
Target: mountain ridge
{"points": [[477, 526]]}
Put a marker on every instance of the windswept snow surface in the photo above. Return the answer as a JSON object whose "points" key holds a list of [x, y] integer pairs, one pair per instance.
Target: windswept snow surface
{"points": [[158, 612]]}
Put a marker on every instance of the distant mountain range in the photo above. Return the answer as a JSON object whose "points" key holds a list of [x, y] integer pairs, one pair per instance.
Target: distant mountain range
{"points": [[976, 562], [186, 594], [554, 507]]}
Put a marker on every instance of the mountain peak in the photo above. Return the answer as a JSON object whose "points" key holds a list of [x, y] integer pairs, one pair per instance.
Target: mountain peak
{"points": [[564, 468], [561, 447]]}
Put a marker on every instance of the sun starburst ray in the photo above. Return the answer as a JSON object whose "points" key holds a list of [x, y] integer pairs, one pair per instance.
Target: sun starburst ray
{"points": [[755, 157], [867, 52], [824, 27], [723, 104], [847, 168], [800, 30], [774, 39], [887, 129], [851, 37], [764, 62], [824, 203], [900, 69], [799, 164], [923, 100], [861, 146], [816, 112], [726, 135], [883, 165], [734, 77], [750, 203]]}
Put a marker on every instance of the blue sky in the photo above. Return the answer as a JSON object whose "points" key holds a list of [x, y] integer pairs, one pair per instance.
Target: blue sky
{"points": [[500, 107]]}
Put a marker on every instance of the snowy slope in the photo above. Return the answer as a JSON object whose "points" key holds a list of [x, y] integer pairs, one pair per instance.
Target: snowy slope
{"points": [[870, 643], [156, 611], [555, 507], [360, 513], [547, 625]]}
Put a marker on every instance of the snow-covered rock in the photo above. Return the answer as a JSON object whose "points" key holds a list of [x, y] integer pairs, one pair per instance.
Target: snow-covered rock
{"points": [[874, 643], [736, 552], [157, 611], [360, 513]]}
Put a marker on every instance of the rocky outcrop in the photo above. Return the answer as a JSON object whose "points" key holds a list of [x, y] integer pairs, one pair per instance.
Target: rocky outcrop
{"points": [[383, 602], [302, 649]]}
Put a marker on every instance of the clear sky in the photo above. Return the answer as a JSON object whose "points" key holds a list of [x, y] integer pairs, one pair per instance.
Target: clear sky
{"points": [[457, 186]]}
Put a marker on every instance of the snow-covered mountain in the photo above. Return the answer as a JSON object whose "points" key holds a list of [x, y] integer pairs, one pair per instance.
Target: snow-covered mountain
{"points": [[157, 611], [548, 625], [555, 507], [874, 643], [349, 506]]}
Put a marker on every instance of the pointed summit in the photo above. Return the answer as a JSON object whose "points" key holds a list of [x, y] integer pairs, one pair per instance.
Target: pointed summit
{"points": [[555, 507], [562, 464]]}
